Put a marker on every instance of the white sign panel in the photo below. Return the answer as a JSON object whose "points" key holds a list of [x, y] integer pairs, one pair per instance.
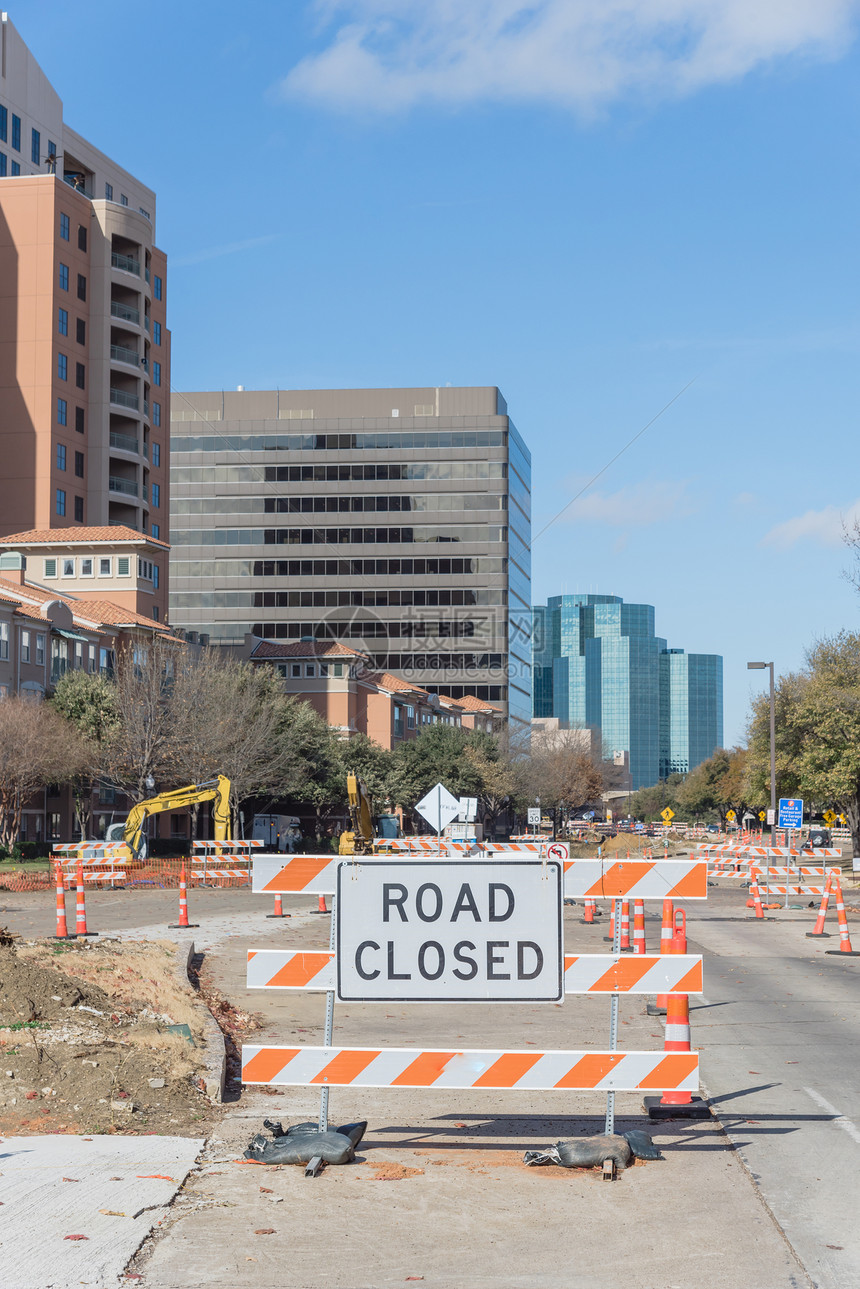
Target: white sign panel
{"points": [[468, 809], [534, 816], [439, 807], [449, 931]]}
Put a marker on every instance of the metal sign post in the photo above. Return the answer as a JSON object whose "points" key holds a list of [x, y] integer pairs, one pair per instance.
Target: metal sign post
{"points": [[329, 1019], [609, 1127]]}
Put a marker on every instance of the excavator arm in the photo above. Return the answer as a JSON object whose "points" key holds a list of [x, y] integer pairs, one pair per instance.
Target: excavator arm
{"points": [[359, 840], [217, 790]]}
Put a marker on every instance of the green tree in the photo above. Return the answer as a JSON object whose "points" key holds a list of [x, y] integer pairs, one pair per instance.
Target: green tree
{"points": [[88, 702], [716, 786], [818, 731], [648, 803], [437, 755], [37, 746]]}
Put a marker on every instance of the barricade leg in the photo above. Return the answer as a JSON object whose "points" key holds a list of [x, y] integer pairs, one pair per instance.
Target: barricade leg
{"points": [[822, 912], [62, 929], [81, 906], [611, 936], [844, 937]]}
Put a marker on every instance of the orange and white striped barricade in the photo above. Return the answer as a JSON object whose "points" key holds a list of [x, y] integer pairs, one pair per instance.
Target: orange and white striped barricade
{"points": [[224, 860], [373, 1067], [584, 973], [631, 879]]}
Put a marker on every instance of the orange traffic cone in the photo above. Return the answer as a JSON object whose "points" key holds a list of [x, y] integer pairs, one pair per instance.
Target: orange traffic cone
{"points": [[822, 912], [676, 1102], [844, 938], [659, 1007], [756, 899], [81, 906], [625, 927], [639, 926], [611, 936], [588, 914], [183, 906], [279, 908], [321, 906], [62, 930]]}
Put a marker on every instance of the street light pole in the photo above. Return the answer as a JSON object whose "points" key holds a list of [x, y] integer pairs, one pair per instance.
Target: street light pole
{"points": [[760, 666]]}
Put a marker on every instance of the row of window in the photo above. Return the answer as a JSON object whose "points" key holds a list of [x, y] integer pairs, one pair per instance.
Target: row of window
{"points": [[63, 275], [63, 326], [399, 663], [60, 499], [65, 231], [458, 501], [101, 565], [63, 371], [32, 645], [61, 460], [398, 470], [351, 567], [441, 598], [376, 441], [63, 415]]}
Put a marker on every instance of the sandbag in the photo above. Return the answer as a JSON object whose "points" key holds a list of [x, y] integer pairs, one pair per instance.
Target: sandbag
{"points": [[642, 1144], [303, 1142], [582, 1152]]}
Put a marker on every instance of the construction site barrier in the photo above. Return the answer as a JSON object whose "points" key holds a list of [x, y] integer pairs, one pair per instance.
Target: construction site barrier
{"points": [[587, 973], [368, 1067]]}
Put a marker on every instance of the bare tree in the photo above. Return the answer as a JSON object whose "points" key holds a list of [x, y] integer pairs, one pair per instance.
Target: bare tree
{"points": [[562, 770], [37, 747], [141, 747]]}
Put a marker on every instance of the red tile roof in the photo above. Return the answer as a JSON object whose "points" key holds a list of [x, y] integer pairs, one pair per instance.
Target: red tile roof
{"points": [[85, 536], [90, 612], [473, 704], [304, 649], [385, 680]]}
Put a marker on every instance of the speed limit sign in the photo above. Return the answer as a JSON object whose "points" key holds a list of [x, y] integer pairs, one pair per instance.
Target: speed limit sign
{"points": [[558, 850]]}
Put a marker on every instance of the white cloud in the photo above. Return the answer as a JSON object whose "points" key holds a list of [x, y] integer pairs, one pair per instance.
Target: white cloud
{"points": [[824, 527], [636, 506], [387, 55], [215, 252]]}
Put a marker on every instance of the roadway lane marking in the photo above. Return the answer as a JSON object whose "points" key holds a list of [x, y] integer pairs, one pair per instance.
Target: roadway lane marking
{"points": [[839, 1119]]}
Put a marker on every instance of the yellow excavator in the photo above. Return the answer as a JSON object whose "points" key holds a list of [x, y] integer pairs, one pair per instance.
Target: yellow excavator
{"points": [[359, 839], [130, 830]]}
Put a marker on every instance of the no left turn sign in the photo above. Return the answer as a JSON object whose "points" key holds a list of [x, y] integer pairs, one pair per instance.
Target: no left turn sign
{"points": [[558, 850]]}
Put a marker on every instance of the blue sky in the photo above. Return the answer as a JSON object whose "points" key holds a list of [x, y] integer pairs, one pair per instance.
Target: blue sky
{"points": [[590, 203]]}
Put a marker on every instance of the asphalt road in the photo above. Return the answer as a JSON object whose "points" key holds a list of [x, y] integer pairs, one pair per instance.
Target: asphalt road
{"points": [[778, 1031]]}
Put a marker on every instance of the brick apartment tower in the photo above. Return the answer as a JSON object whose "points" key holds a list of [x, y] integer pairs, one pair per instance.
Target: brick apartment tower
{"points": [[84, 345]]}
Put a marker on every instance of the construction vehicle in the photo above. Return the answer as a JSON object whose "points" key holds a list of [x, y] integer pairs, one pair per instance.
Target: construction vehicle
{"points": [[130, 830], [361, 838]]}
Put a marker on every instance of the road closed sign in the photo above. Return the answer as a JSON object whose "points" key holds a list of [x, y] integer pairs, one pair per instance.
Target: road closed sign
{"points": [[452, 931]]}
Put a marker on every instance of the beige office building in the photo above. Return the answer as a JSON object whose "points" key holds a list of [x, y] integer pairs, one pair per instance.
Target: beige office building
{"points": [[84, 345], [395, 521]]}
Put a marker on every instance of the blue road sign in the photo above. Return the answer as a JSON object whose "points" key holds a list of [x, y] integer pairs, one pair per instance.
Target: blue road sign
{"points": [[790, 812]]}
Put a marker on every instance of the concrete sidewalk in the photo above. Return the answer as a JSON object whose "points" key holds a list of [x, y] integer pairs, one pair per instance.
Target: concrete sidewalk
{"points": [[112, 1190]]}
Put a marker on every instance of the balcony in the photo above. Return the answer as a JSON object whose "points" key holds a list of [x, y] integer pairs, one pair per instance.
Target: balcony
{"points": [[126, 313], [119, 354], [124, 442], [146, 492], [146, 450], [126, 486], [122, 399], [126, 263], [145, 322], [146, 274], [146, 409]]}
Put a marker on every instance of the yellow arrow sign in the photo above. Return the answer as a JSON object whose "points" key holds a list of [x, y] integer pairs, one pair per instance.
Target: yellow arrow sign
{"points": [[829, 817], [762, 816], [730, 815], [667, 814]]}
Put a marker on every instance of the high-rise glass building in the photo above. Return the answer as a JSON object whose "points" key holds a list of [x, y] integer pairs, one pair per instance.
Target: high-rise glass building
{"points": [[597, 663], [397, 519]]}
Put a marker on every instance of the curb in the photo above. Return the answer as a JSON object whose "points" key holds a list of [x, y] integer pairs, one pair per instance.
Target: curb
{"points": [[216, 1051]]}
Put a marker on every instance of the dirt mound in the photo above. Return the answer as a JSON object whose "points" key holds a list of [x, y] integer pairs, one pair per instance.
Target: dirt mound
{"points": [[29, 992], [99, 1037]]}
